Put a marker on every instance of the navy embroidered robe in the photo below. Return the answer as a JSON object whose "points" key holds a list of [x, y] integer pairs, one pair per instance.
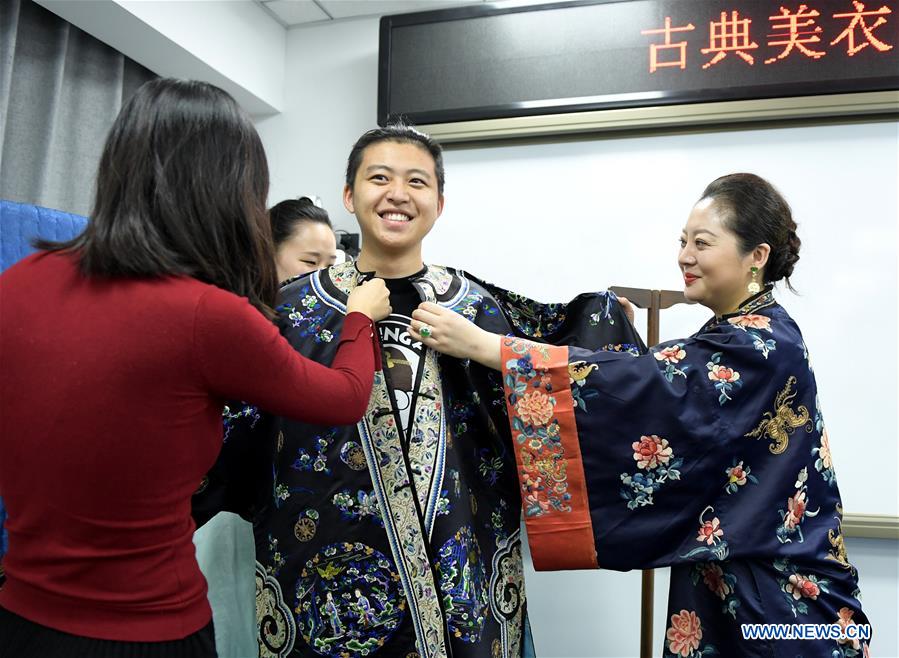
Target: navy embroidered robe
{"points": [[373, 543], [709, 455]]}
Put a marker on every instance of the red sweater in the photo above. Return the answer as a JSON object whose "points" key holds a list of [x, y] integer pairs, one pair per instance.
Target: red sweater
{"points": [[111, 398]]}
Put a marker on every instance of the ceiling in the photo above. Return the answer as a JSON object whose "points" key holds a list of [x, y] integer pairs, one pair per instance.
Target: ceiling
{"points": [[302, 12]]}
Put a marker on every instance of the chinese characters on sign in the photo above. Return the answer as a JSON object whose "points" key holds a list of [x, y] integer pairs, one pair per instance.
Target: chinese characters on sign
{"points": [[794, 33]]}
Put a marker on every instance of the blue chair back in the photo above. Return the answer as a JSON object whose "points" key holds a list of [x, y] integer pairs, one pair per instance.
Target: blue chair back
{"points": [[20, 223]]}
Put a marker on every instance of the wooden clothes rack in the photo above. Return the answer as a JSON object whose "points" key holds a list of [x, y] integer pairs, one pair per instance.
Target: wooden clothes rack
{"points": [[654, 301]]}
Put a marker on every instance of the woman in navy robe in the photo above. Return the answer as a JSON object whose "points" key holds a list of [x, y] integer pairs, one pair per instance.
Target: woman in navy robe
{"points": [[708, 455]]}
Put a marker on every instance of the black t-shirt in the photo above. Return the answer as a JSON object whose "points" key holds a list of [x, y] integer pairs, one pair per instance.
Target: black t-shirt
{"points": [[402, 354]]}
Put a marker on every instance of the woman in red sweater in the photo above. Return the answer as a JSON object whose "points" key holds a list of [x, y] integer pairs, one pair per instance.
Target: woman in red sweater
{"points": [[119, 349]]}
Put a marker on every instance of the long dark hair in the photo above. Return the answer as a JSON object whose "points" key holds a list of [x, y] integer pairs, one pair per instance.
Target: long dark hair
{"points": [[181, 190], [288, 214], [756, 212]]}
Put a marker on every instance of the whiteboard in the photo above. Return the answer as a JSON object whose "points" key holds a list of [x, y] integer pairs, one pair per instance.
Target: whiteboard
{"points": [[551, 220]]}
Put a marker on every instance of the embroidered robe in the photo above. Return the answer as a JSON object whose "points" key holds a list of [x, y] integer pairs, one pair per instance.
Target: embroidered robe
{"points": [[378, 543], [709, 455]]}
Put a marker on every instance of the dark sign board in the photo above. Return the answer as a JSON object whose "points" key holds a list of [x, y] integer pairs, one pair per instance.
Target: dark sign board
{"points": [[484, 62]]}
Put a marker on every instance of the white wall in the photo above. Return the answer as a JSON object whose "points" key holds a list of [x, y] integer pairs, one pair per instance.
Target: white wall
{"points": [[330, 99]]}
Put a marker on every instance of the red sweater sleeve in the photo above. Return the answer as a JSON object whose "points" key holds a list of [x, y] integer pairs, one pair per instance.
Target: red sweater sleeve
{"points": [[242, 356]]}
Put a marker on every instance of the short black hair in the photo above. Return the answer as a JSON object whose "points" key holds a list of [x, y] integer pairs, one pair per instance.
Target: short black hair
{"points": [[181, 190], [757, 213], [287, 214], [402, 133]]}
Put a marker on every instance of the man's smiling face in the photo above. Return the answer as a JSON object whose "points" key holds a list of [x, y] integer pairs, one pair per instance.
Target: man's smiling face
{"points": [[394, 197]]}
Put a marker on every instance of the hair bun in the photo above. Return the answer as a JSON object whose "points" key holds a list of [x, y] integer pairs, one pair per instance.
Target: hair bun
{"points": [[792, 255]]}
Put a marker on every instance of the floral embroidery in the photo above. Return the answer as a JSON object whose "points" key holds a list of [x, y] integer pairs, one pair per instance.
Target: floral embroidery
{"points": [[230, 418], [723, 377], [318, 463], [751, 321], [496, 524], [472, 303], [363, 504], [754, 325], [309, 318], [650, 451], [737, 476], [544, 469], [824, 464], [277, 560], [670, 356], [849, 647], [381, 440], [779, 425], [797, 509], [710, 534], [535, 407], [530, 317], [630, 348], [605, 310], [802, 587], [490, 465], [460, 412], [798, 588], [444, 507], [654, 456], [684, 636], [721, 583]]}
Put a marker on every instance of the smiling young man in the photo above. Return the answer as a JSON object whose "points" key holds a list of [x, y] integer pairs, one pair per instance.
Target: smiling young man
{"points": [[399, 536]]}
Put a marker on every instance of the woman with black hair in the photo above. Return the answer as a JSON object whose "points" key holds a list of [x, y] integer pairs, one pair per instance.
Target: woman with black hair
{"points": [[708, 455], [119, 350], [303, 236]]}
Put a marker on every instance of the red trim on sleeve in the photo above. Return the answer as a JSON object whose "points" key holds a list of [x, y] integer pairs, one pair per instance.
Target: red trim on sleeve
{"points": [[548, 454]]}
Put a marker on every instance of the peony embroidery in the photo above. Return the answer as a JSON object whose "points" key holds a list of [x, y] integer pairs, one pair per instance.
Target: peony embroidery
{"points": [[710, 535], [657, 464], [802, 588], [669, 357], [710, 532], [737, 476], [796, 511], [543, 470], [535, 407], [751, 321], [713, 577], [650, 451], [721, 583], [824, 461], [754, 325], [798, 588], [845, 621], [684, 634], [724, 379]]}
